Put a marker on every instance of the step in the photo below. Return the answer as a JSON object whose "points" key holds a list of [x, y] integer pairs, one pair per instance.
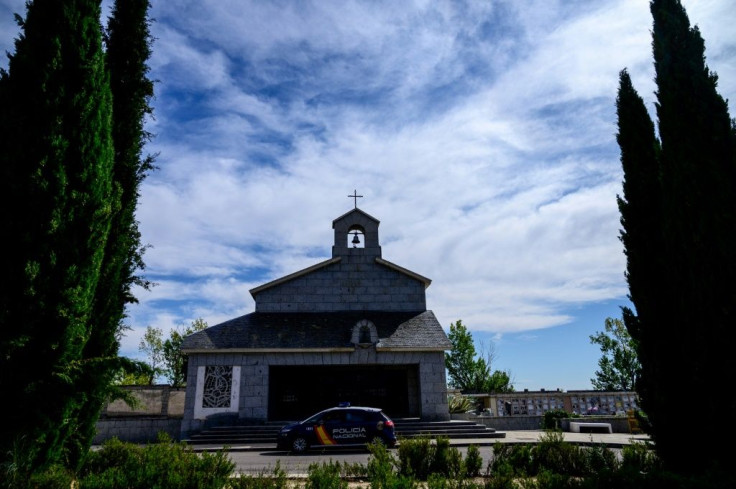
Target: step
{"points": [[404, 428]]}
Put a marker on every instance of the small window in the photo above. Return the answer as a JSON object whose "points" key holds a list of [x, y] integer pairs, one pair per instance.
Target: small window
{"points": [[364, 334]]}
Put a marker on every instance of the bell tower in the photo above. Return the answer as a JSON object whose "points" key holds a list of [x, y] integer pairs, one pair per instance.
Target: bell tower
{"points": [[356, 234]]}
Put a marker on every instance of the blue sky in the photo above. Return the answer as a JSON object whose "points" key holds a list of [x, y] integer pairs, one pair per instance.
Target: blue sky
{"points": [[481, 134]]}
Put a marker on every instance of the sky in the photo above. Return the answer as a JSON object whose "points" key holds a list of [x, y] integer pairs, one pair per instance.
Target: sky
{"points": [[481, 135]]}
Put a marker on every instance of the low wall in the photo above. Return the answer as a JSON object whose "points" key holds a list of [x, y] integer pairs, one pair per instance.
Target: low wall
{"points": [[510, 423], [136, 429], [619, 424], [160, 409], [153, 400]]}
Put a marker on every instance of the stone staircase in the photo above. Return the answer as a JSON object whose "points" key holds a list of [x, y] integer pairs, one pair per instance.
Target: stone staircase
{"points": [[405, 428], [449, 429]]}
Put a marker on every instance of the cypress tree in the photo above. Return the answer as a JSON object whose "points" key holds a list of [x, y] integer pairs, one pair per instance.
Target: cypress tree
{"points": [[56, 163], [128, 49], [678, 216], [641, 218]]}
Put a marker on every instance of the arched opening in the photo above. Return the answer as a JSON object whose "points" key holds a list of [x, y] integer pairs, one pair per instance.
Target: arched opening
{"points": [[356, 237]]}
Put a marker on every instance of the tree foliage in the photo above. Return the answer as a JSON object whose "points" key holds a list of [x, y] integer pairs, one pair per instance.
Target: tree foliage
{"points": [[57, 165], [174, 359], [619, 367], [152, 345], [127, 52], [164, 356], [468, 373], [66, 271], [677, 211]]}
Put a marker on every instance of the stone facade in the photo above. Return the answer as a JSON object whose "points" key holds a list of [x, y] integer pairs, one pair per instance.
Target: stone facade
{"points": [[351, 328]]}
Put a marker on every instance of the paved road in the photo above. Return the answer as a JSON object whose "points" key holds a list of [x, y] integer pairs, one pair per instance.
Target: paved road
{"points": [[262, 459]]}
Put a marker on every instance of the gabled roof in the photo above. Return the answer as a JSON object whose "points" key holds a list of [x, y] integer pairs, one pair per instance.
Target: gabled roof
{"points": [[294, 275], [326, 263], [292, 332], [403, 270], [355, 211]]}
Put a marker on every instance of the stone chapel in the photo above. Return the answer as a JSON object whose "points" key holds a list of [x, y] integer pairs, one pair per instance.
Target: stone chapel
{"points": [[354, 328]]}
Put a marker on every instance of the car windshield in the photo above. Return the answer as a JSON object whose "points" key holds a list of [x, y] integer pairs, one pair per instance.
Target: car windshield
{"points": [[313, 419]]}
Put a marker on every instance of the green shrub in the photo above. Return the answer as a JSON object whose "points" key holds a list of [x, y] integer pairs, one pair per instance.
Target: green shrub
{"points": [[501, 482], [381, 468], [326, 475], [421, 457], [554, 454], [275, 480], [550, 480], [383, 476], [510, 460], [357, 469], [437, 481], [460, 404], [415, 457], [599, 459], [473, 461], [172, 465], [551, 419], [55, 477], [639, 457], [445, 460]]}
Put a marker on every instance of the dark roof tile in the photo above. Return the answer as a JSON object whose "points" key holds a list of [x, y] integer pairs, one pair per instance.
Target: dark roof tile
{"points": [[399, 330]]}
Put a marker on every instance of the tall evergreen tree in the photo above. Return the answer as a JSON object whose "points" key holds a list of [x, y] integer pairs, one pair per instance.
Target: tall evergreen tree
{"points": [[56, 165], [641, 218], [128, 50], [678, 215]]}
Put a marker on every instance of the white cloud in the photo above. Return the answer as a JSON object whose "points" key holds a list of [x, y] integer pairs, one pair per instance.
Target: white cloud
{"points": [[482, 135]]}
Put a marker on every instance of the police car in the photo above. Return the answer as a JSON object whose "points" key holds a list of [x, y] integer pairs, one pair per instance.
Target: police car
{"points": [[342, 426]]}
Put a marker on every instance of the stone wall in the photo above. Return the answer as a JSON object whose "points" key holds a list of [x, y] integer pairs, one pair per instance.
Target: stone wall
{"points": [[154, 400], [252, 401], [354, 283], [619, 424], [536, 403], [136, 430], [160, 409]]}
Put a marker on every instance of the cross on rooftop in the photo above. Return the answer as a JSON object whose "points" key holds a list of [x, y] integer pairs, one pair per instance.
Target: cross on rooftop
{"points": [[355, 197]]}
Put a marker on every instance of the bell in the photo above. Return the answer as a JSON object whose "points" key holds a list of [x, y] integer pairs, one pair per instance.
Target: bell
{"points": [[356, 240]]}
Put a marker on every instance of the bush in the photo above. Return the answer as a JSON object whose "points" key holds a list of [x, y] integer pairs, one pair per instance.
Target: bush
{"points": [[553, 454], [639, 457], [55, 477], [510, 460], [381, 467], [599, 460], [551, 419], [170, 464], [276, 480], [415, 457], [473, 462], [445, 460], [460, 404], [326, 475]]}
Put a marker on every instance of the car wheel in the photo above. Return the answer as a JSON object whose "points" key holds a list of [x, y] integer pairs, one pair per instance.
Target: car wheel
{"points": [[299, 444]]}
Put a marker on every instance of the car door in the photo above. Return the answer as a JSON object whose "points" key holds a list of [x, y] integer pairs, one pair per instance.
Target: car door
{"points": [[327, 427], [356, 428]]}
